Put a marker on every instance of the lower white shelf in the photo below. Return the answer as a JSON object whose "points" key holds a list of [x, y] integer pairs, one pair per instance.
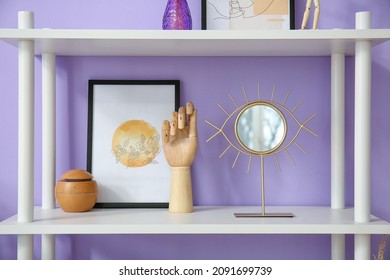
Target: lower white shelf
{"points": [[204, 220]]}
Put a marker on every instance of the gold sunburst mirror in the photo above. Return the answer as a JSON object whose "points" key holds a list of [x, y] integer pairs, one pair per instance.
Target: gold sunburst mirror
{"points": [[261, 130]]}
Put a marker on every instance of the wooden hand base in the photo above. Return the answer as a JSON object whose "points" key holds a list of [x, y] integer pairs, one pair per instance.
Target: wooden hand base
{"points": [[181, 190]]}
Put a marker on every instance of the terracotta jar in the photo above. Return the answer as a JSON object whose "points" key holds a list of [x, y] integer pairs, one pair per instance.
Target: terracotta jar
{"points": [[77, 191]]}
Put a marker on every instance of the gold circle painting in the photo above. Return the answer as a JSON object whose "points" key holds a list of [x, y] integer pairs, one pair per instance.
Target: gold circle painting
{"points": [[135, 143]]}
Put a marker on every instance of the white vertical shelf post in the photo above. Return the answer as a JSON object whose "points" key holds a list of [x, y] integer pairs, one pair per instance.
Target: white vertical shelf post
{"points": [[48, 145], [362, 135], [26, 135], [48, 246], [338, 146], [338, 246], [48, 129]]}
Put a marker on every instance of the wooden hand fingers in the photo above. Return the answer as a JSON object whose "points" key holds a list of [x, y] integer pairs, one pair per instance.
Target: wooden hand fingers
{"points": [[184, 117], [174, 124], [192, 124], [181, 118], [192, 116], [165, 131]]}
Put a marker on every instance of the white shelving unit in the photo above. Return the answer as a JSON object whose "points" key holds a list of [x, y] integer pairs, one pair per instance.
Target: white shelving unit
{"points": [[334, 220]]}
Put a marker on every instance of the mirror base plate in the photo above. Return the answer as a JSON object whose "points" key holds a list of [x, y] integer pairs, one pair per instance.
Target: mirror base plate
{"points": [[264, 215]]}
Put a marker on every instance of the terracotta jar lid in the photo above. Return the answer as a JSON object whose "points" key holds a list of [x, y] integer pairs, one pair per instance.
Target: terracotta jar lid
{"points": [[77, 175]]}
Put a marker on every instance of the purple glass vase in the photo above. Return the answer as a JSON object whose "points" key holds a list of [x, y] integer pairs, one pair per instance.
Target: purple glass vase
{"points": [[177, 16]]}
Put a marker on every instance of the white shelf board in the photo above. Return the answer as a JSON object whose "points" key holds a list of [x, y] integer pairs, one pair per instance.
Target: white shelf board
{"points": [[204, 220], [74, 42]]}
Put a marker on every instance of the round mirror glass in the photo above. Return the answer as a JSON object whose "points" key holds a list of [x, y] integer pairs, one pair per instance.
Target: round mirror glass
{"points": [[260, 128]]}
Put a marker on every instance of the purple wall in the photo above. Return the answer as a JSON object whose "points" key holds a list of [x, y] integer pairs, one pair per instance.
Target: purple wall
{"points": [[205, 81]]}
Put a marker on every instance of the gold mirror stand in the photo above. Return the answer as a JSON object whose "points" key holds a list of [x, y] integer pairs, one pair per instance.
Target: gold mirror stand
{"points": [[263, 213]]}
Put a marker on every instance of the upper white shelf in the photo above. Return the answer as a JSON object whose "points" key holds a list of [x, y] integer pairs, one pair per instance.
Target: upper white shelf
{"points": [[204, 220], [74, 42]]}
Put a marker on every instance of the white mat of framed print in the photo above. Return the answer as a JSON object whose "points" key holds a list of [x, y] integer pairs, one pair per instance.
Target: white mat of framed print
{"points": [[248, 14], [125, 153]]}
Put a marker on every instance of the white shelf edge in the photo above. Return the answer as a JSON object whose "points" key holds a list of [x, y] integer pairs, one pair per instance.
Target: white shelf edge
{"points": [[367, 34], [204, 220], [85, 42]]}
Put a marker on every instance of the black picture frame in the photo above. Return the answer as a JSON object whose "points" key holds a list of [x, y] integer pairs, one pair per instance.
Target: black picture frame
{"points": [[204, 9], [145, 102]]}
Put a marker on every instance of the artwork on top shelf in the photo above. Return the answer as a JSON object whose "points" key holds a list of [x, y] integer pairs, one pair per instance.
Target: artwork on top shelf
{"points": [[248, 14], [124, 142]]}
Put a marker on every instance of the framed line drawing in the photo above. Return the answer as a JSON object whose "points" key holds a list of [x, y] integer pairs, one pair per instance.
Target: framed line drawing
{"points": [[124, 152], [248, 14]]}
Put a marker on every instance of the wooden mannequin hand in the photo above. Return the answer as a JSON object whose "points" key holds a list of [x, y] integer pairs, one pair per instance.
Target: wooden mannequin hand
{"points": [[179, 137]]}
